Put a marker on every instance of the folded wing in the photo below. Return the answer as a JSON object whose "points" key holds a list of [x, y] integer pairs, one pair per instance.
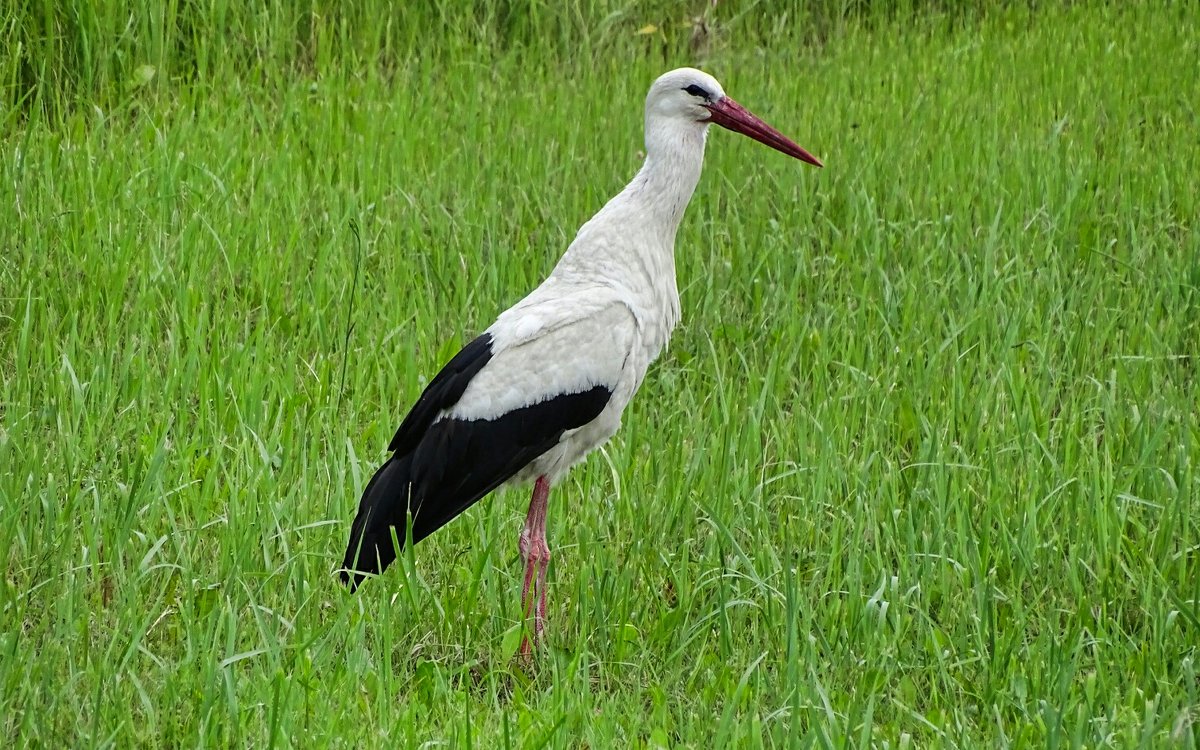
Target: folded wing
{"points": [[507, 398]]}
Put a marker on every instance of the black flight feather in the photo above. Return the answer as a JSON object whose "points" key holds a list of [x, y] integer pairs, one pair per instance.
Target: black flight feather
{"points": [[443, 391]]}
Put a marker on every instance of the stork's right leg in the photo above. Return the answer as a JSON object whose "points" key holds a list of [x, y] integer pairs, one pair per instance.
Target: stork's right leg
{"points": [[536, 553]]}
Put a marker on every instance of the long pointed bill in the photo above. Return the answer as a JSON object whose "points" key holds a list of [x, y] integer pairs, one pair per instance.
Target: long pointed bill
{"points": [[729, 114]]}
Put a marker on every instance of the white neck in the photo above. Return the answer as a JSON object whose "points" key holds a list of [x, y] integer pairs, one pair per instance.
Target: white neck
{"points": [[632, 239], [660, 191], [629, 245]]}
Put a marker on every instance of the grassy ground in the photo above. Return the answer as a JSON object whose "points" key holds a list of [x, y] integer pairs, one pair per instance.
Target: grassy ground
{"points": [[918, 470]]}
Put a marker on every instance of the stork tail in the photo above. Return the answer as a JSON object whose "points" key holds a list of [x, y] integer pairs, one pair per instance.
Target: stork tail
{"points": [[371, 549]]}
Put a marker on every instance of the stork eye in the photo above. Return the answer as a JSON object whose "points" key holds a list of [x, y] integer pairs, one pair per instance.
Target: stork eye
{"points": [[697, 90]]}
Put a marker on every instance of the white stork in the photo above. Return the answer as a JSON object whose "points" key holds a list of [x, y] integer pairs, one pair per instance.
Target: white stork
{"points": [[548, 381]]}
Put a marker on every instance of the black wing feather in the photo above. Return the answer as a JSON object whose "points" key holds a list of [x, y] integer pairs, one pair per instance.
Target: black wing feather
{"points": [[443, 391]]}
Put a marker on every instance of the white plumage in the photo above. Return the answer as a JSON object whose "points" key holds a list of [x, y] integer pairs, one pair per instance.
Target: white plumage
{"points": [[602, 348], [548, 381]]}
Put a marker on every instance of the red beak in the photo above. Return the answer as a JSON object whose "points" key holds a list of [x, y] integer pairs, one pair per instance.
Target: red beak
{"points": [[729, 114]]}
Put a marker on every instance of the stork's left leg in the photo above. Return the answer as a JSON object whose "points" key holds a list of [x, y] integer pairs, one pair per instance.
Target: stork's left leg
{"points": [[536, 553]]}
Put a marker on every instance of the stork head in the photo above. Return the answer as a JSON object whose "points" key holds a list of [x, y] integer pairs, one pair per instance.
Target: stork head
{"points": [[693, 95]]}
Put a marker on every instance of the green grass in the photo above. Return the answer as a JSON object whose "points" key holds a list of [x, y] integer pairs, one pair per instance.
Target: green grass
{"points": [[919, 469]]}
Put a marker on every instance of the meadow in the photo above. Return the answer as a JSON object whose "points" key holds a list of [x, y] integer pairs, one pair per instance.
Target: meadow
{"points": [[919, 468]]}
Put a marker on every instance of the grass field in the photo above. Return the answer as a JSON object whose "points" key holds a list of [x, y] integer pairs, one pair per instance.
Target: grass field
{"points": [[919, 468]]}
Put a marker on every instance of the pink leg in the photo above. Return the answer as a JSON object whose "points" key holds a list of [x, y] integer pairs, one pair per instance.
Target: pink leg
{"points": [[536, 553]]}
